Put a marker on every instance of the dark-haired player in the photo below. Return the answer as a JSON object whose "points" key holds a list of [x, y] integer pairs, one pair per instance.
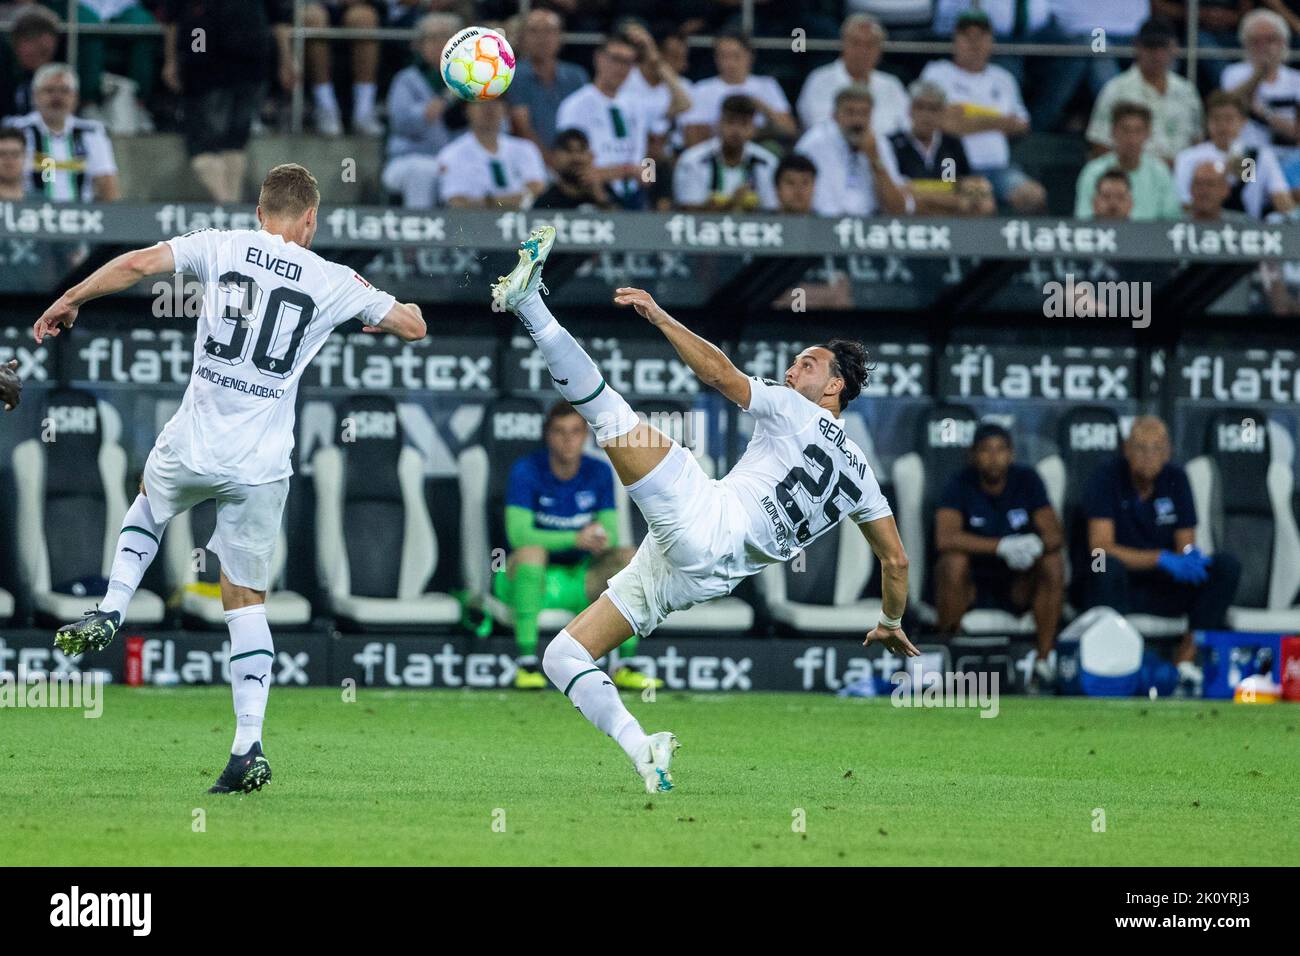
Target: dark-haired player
{"points": [[799, 476]]}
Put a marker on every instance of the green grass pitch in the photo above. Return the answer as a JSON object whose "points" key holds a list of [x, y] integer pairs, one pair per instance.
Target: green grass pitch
{"points": [[419, 777]]}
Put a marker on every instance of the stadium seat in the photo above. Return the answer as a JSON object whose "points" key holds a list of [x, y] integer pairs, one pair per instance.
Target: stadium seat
{"points": [[1243, 488], [195, 572], [71, 499], [375, 546], [728, 614], [943, 437], [512, 428]]}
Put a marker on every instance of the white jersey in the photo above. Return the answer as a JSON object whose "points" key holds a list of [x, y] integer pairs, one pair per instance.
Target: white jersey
{"points": [[268, 307], [799, 476]]}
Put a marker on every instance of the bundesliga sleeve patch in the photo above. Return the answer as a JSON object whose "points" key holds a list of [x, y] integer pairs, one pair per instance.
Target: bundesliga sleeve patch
{"points": [[362, 281]]}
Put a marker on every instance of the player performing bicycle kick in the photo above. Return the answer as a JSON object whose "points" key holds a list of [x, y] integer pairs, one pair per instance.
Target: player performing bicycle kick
{"points": [[798, 478]]}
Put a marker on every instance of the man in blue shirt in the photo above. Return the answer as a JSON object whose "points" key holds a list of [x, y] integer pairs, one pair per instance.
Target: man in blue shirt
{"points": [[1142, 538], [542, 81], [999, 544], [562, 528]]}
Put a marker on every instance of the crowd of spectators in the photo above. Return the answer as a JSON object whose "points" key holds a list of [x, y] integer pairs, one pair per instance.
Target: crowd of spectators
{"points": [[637, 122]]}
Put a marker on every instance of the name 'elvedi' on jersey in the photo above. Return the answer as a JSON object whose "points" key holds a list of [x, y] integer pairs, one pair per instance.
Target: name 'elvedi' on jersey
{"points": [[835, 435], [281, 267]]}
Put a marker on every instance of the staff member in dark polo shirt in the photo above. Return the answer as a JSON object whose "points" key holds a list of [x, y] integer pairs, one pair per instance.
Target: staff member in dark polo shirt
{"points": [[1141, 515], [999, 544]]}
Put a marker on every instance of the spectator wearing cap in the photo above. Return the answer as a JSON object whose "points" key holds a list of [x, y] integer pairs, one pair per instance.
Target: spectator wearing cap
{"points": [[933, 163], [1265, 82], [69, 159], [1255, 179], [730, 171], [734, 57], [857, 174], [418, 102], [861, 39], [1150, 185], [32, 42], [999, 543], [542, 80], [984, 109], [576, 184], [1151, 81], [1112, 197], [1142, 528]]}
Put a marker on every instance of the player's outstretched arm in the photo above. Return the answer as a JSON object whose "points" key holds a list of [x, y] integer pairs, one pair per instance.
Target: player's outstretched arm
{"points": [[404, 319], [114, 276], [882, 536], [705, 359]]}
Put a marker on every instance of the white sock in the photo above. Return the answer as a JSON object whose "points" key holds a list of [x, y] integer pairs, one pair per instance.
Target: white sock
{"points": [[252, 653], [576, 376], [363, 100], [572, 669], [137, 543], [323, 95]]}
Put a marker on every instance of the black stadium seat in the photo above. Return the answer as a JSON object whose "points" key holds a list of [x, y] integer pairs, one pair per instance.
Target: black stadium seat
{"points": [[71, 499], [1243, 486], [1087, 437], [375, 545], [943, 439]]}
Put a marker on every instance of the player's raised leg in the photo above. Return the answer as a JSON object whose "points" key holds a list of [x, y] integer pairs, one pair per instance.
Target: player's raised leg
{"points": [[635, 450], [137, 544]]}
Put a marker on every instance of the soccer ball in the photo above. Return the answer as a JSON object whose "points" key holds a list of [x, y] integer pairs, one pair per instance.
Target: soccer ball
{"points": [[478, 64]]}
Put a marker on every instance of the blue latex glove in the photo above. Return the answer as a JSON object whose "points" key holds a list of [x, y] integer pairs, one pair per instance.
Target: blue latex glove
{"points": [[1189, 568]]}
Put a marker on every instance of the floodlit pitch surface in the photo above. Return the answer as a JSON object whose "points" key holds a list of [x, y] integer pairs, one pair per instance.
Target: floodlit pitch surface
{"points": [[445, 777]]}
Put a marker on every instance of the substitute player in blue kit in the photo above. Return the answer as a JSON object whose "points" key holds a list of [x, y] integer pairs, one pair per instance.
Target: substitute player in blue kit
{"points": [[269, 304]]}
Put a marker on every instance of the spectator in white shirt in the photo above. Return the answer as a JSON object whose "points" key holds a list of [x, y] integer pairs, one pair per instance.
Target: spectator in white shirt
{"points": [[861, 37], [1254, 177], [486, 168], [69, 159], [728, 172], [418, 101], [654, 81], [984, 108], [735, 61], [856, 171], [615, 125], [1264, 81]]}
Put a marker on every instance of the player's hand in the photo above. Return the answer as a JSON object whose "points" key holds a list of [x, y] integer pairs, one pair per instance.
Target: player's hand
{"points": [[57, 317], [894, 640], [643, 302], [593, 538], [11, 386]]}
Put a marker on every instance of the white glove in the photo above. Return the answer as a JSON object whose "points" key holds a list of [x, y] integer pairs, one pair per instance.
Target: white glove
{"points": [[1020, 551]]}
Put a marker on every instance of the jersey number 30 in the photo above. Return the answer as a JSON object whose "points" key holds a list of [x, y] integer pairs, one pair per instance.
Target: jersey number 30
{"points": [[278, 309], [819, 490]]}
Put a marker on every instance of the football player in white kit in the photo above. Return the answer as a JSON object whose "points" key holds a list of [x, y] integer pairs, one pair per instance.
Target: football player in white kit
{"points": [[798, 478], [268, 306]]}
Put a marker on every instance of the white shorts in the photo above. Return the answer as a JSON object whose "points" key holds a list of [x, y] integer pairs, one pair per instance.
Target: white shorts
{"points": [[688, 555], [248, 516]]}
